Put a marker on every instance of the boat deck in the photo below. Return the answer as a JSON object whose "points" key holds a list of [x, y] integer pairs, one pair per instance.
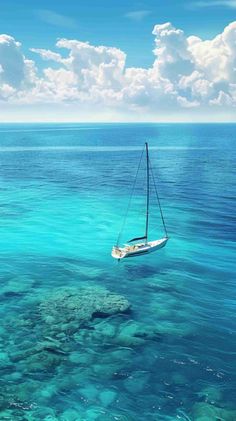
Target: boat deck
{"points": [[138, 248]]}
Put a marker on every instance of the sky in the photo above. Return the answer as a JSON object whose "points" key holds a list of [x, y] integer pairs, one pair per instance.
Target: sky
{"points": [[126, 60]]}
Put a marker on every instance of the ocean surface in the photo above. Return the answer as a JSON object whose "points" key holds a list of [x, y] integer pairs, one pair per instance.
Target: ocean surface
{"points": [[64, 190]]}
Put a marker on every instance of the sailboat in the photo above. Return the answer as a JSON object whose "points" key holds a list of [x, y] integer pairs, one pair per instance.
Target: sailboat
{"points": [[142, 245]]}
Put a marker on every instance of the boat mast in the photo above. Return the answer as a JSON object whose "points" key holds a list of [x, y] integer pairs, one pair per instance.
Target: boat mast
{"points": [[147, 208]]}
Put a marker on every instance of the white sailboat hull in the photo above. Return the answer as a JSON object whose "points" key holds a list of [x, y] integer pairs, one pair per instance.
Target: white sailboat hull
{"points": [[138, 249]]}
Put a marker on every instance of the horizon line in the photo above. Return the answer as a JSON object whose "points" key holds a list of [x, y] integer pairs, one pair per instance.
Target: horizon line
{"points": [[117, 122]]}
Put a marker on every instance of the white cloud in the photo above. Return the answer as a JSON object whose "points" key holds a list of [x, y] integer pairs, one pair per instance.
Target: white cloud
{"points": [[100, 66], [196, 83], [12, 62], [138, 15], [223, 99], [216, 57], [185, 103], [47, 54], [6, 91], [173, 56], [230, 4], [17, 74], [53, 18], [188, 74]]}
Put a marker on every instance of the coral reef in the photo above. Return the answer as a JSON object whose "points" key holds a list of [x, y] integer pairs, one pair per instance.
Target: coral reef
{"points": [[68, 309], [85, 343]]}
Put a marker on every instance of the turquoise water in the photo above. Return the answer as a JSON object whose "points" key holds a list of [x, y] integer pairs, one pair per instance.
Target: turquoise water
{"points": [[64, 191]]}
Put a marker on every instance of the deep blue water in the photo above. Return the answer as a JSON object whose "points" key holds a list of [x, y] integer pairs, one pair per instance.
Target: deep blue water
{"points": [[64, 190]]}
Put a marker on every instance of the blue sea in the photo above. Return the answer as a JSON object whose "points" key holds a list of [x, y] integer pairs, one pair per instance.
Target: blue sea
{"points": [[64, 191]]}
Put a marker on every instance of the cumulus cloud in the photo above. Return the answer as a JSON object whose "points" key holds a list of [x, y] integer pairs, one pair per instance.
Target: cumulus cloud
{"points": [[47, 54], [188, 73], [173, 57], [16, 72], [13, 66], [94, 66]]}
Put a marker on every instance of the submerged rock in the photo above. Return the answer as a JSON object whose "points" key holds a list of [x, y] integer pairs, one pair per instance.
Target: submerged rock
{"points": [[80, 358], [136, 382], [131, 334], [65, 332], [107, 397], [43, 413], [210, 394], [71, 415], [17, 286], [178, 379], [106, 371], [67, 309], [49, 391], [206, 412]]}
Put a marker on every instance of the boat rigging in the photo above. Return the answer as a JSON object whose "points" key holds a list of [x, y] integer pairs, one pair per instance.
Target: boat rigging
{"points": [[145, 246]]}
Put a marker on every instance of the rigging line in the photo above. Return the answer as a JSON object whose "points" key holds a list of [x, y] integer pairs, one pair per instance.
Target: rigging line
{"points": [[129, 203], [158, 200]]}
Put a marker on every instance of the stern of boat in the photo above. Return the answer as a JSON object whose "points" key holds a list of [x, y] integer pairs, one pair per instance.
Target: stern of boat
{"points": [[117, 253]]}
